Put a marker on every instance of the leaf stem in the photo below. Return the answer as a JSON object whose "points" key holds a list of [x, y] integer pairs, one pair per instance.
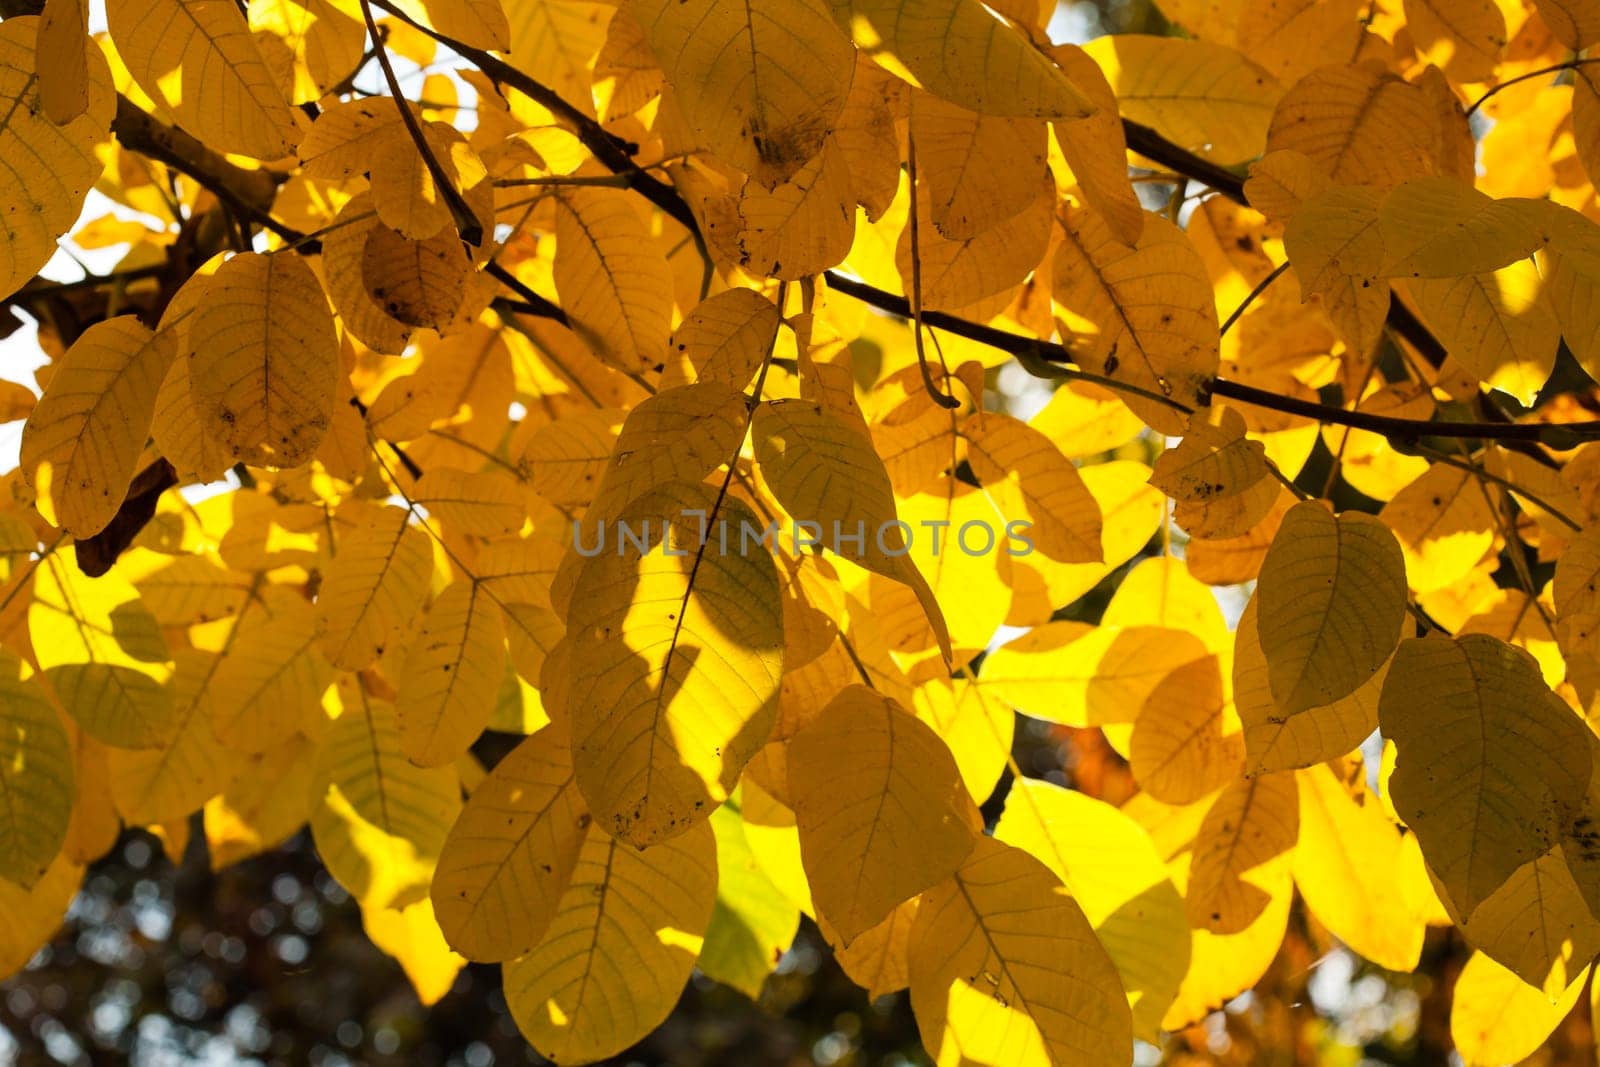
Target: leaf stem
{"points": [[1555, 68], [1260, 288], [940, 397]]}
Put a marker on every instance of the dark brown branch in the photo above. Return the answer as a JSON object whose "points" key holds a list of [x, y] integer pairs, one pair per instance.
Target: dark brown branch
{"points": [[531, 303], [467, 223], [96, 554]]}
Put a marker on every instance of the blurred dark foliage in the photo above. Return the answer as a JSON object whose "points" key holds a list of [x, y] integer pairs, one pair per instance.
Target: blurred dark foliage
{"points": [[267, 962]]}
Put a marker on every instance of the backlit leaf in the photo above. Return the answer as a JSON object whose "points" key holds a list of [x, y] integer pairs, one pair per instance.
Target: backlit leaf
{"points": [[1488, 758], [619, 948], [508, 858], [264, 359], [864, 775], [82, 443], [761, 83], [197, 58], [675, 657], [997, 72], [1332, 593], [1006, 969], [36, 779], [43, 200]]}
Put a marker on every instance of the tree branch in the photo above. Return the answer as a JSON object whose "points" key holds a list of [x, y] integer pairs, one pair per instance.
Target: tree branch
{"points": [[467, 223]]}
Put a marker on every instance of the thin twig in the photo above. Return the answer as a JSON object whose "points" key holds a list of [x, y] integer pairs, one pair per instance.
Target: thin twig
{"points": [[1555, 68], [1260, 288], [466, 222], [940, 397]]}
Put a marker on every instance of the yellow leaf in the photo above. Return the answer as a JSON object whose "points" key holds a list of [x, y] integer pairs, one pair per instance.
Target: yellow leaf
{"points": [[1336, 246], [1572, 287], [198, 59], [83, 440], [1151, 309], [1160, 592], [1577, 595], [1536, 925], [484, 503], [1443, 228], [34, 914], [1242, 854], [963, 273], [180, 433], [271, 678], [168, 782], [347, 135], [16, 401], [325, 38], [1096, 147], [36, 778], [95, 823], [43, 198], [63, 66], [185, 590], [1360, 125], [798, 228], [1497, 1018], [620, 947], [866, 777], [404, 191], [1186, 741], [477, 23], [264, 359], [1445, 521], [996, 71], [412, 937], [102, 653], [674, 663], [1332, 593], [560, 39], [979, 170], [1463, 37], [613, 283], [451, 674], [509, 856], [1494, 325], [866, 134], [724, 338], [567, 459], [1344, 865], [975, 726], [1275, 741], [381, 820], [876, 961], [760, 84], [1488, 757], [1080, 675], [428, 283], [1576, 23], [1005, 969], [1281, 181], [1065, 518], [1217, 475], [1202, 96], [269, 800], [1084, 420], [680, 435], [1292, 39], [822, 468], [376, 584], [1110, 867], [754, 922]]}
